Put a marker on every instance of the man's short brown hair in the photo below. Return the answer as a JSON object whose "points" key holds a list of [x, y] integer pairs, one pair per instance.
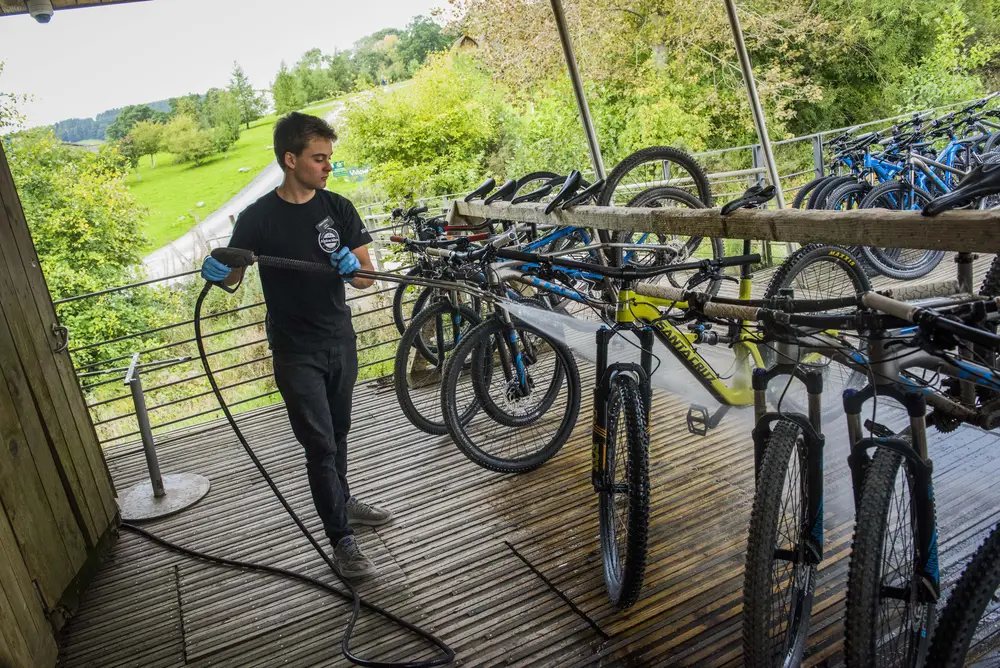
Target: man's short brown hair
{"points": [[293, 132]]}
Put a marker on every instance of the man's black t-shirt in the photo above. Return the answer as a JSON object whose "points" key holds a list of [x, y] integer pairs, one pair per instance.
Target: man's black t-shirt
{"points": [[306, 310]]}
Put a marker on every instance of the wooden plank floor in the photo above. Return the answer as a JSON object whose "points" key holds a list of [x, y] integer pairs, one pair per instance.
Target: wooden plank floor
{"points": [[450, 560]]}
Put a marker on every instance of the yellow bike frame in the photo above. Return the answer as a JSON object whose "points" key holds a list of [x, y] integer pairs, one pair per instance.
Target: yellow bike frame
{"points": [[641, 309]]}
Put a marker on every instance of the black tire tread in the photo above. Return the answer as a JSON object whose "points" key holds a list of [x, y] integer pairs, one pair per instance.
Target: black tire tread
{"points": [[410, 339], [863, 582], [767, 505], [449, 406], [638, 516], [966, 605]]}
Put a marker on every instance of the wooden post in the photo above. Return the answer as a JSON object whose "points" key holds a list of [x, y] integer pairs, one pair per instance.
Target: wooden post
{"points": [[57, 503]]}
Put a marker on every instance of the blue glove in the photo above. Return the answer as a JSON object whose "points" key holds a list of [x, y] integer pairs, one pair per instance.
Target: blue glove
{"points": [[346, 262], [213, 270]]}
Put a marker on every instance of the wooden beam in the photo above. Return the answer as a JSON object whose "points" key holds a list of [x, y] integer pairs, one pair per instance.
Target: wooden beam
{"points": [[951, 231], [53, 380]]}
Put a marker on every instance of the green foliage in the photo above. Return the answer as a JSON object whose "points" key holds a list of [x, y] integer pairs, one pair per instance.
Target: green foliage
{"points": [[287, 91], [222, 115], [948, 73], [250, 103], [432, 137], [422, 37], [86, 228], [10, 117], [188, 105], [148, 139], [183, 137], [131, 115]]}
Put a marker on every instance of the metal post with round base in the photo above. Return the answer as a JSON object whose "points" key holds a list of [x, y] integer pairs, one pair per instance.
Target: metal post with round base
{"points": [[161, 495]]}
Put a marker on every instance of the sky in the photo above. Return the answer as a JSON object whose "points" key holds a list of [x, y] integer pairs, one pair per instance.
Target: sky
{"points": [[91, 59]]}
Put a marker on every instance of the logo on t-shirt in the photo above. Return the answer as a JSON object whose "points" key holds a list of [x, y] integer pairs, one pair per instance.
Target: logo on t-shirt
{"points": [[329, 237]]}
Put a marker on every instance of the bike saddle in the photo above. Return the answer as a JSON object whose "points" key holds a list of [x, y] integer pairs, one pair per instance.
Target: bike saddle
{"points": [[504, 192], [534, 194], [751, 199], [481, 191], [590, 192], [569, 188], [982, 180], [415, 211]]}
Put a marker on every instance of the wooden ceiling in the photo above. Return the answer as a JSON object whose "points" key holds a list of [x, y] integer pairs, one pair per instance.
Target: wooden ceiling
{"points": [[8, 7]]}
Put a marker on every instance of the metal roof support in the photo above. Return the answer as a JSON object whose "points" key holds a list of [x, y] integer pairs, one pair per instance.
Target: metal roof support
{"points": [[581, 98], [758, 113]]}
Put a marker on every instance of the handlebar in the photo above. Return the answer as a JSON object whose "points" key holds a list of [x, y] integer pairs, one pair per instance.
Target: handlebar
{"points": [[929, 320]]}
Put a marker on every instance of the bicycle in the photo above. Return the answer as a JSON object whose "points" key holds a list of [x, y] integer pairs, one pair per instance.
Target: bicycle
{"points": [[785, 544]]}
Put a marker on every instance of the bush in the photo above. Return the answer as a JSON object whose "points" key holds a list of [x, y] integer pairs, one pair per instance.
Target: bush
{"points": [[432, 137], [185, 139], [86, 227]]}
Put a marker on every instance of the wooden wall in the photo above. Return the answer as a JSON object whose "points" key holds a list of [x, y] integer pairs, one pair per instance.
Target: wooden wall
{"points": [[57, 503]]}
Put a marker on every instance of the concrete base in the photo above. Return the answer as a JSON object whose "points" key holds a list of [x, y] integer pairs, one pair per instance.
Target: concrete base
{"points": [[182, 490]]}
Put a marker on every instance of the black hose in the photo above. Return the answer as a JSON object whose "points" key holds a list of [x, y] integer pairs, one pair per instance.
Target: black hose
{"points": [[350, 595]]}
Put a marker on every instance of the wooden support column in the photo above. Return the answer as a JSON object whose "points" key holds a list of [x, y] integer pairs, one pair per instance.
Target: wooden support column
{"points": [[57, 502]]}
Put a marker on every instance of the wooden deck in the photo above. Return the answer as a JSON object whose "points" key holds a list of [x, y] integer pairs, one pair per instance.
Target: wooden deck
{"points": [[455, 559]]}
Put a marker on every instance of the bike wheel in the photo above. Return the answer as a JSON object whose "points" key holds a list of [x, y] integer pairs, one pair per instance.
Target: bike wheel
{"points": [[802, 194], [527, 437], [533, 181], [649, 167], [417, 373], [818, 271], [402, 310], [778, 591], [961, 635], [848, 196], [623, 501], [507, 407], [899, 263], [886, 624], [683, 248], [426, 339], [817, 198]]}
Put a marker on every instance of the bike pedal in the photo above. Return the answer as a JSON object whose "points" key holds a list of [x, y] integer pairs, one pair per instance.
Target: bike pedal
{"points": [[879, 430], [697, 420]]}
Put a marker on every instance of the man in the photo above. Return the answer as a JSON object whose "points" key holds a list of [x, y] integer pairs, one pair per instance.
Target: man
{"points": [[309, 327]]}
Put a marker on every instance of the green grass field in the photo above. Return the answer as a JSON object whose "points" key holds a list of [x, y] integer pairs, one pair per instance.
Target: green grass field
{"points": [[172, 192]]}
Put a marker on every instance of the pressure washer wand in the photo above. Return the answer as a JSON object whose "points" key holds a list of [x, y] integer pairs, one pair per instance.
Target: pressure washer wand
{"points": [[237, 258]]}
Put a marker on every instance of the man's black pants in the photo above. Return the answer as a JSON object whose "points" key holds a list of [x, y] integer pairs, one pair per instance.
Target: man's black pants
{"points": [[317, 389]]}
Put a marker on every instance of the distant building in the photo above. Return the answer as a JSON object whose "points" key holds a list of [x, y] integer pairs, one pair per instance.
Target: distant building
{"points": [[464, 43]]}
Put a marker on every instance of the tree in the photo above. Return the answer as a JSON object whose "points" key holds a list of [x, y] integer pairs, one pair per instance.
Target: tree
{"points": [[434, 137], [127, 148], [187, 140], [87, 229], [131, 115], [339, 71], [422, 37], [287, 91], [251, 104], [148, 139], [10, 116], [188, 105], [222, 113]]}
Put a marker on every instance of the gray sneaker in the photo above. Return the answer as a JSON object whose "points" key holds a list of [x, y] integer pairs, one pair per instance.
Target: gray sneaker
{"points": [[360, 513], [350, 560]]}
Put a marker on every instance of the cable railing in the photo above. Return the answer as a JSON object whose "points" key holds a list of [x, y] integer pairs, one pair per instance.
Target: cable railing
{"points": [[181, 398]]}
